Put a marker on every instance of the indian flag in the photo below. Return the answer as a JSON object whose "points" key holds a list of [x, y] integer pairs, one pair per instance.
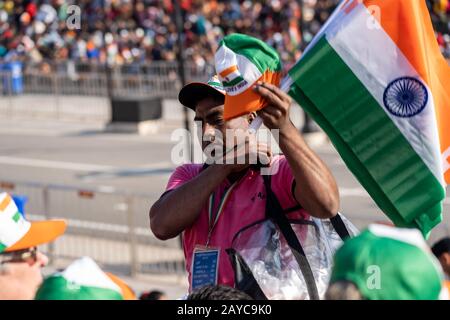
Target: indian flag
{"points": [[375, 81]]}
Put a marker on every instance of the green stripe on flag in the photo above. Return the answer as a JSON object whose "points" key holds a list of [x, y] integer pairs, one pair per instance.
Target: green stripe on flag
{"points": [[2, 247], [368, 141], [16, 216]]}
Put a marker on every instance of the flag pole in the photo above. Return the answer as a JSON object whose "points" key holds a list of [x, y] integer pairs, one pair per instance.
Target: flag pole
{"points": [[180, 57], [308, 126], [181, 71]]}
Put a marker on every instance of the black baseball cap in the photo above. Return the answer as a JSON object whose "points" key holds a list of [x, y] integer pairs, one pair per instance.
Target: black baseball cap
{"points": [[193, 92]]}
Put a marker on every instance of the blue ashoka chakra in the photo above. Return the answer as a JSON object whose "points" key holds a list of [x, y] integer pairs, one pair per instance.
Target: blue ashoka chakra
{"points": [[405, 97]]}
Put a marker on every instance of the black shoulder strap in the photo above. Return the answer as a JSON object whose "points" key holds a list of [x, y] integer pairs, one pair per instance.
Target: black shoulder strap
{"points": [[243, 276], [340, 227], [275, 211]]}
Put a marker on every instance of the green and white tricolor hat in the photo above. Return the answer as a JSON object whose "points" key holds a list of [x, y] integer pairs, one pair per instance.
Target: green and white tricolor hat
{"points": [[83, 280], [240, 62], [16, 233], [388, 263]]}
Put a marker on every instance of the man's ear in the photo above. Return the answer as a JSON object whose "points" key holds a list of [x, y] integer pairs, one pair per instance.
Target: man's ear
{"points": [[446, 258], [251, 116]]}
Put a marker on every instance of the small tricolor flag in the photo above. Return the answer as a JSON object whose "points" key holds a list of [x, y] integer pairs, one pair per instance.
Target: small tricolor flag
{"points": [[375, 81]]}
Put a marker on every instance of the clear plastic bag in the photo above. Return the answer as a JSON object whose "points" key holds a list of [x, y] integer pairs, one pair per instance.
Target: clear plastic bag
{"points": [[272, 263]]}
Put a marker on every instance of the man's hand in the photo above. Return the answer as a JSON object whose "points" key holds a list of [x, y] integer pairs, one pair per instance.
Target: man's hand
{"points": [[242, 156], [316, 189], [276, 114]]}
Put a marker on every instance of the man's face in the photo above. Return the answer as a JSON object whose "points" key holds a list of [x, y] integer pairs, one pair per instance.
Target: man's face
{"points": [[20, 280], [209, 112]]}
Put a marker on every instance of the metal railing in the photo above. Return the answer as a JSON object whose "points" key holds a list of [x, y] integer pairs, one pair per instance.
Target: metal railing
{"points": [[110, 226], [79, 93], [91, 84], [158, 79]]}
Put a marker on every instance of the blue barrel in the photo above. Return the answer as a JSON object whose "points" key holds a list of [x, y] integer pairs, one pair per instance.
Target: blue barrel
{"points": [[16, 80]]}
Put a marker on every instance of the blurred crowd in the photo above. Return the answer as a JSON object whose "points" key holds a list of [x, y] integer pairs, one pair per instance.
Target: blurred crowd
{"points": [[123, 31], [440, 10], [120, 32]]}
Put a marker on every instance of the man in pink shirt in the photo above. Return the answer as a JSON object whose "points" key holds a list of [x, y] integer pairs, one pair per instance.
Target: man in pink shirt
{"points": [[302, 183]]}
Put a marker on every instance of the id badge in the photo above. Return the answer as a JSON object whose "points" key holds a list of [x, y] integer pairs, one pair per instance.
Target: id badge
{"points": [[204, 269]]}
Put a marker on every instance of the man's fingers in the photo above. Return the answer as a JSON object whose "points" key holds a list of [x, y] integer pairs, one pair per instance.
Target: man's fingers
{"points": [[249, 153], [276, 91], [264, 153], [280, 93], [274, 112], [264, 158], [268, 119], [262, 147], [269, 95]]}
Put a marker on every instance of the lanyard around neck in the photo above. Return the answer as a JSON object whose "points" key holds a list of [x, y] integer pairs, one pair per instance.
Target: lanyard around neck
{"points": [[214, 216]]}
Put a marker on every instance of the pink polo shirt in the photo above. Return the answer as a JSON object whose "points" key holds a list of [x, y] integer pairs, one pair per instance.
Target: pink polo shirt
{"points": [[246, 204]]}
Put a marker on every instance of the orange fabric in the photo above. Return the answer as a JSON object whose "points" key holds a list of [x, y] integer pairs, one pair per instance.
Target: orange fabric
{"points": [[40, 232], [127, 293], [403, 20], [5, 203], [248, 101]]}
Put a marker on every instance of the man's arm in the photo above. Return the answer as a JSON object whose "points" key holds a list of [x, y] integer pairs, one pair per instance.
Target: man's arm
{"points": [[179, 208], [316, 189]]}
